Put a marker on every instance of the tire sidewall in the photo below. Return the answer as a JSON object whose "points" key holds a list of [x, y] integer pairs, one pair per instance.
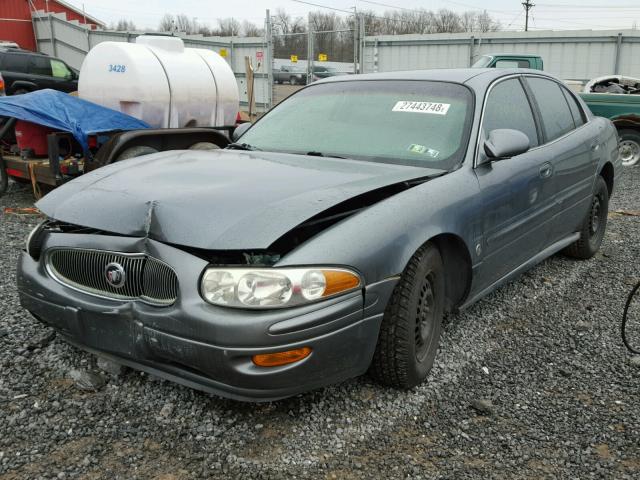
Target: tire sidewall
{"points": [[430, 263], [630, 135], [602, 192]]}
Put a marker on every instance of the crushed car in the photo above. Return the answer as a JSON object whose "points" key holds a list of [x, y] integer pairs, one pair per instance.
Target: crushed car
{"points": [[330, 238]]}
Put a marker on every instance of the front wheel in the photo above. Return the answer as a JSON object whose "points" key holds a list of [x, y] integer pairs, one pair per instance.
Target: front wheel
{"points": [[412, 323], [594, 224], [629, 147]]}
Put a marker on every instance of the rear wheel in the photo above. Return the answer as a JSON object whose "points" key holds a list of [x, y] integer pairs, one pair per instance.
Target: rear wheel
{"points": [[411, 327], [20, 91], [594, 225], [629, 147]]}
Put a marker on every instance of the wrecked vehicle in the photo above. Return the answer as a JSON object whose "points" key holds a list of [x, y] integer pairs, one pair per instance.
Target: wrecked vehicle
{"points": [[330, 238], [618, 98]]}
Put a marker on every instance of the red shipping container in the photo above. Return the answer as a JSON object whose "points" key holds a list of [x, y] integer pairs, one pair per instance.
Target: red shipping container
{"points": [[31, 136]]}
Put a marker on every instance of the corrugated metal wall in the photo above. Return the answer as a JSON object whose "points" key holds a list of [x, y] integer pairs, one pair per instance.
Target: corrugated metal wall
{"points": [[580, 55], [71, 41]]}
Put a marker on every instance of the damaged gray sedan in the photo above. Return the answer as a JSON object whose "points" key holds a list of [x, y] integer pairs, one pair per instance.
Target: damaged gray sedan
{"points": [[331, 238]]}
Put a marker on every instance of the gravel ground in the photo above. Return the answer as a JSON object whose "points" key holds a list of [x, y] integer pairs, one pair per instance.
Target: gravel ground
{"points": [[531, 382]]}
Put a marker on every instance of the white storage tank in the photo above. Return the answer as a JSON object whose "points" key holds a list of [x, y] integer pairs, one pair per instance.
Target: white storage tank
{"points": [[161, 82]]}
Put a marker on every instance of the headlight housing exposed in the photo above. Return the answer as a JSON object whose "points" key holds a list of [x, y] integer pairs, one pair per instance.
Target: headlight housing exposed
{"points": [[264, 288]]}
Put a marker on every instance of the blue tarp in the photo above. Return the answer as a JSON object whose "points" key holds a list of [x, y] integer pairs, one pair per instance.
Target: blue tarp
{"points": [[64, 112]]}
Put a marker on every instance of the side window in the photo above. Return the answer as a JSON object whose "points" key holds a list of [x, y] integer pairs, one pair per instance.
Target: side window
{"points": [[508, 107], [554, 109], [576, 111], [59, 69], [513, 63], [40, 65], [15, 63]]}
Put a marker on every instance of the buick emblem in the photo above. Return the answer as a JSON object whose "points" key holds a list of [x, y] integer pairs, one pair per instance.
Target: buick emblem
{"points": [[115, 275]]}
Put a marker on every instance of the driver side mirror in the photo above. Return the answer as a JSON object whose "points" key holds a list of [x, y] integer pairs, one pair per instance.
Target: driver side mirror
{"points": [[240, 130], [505, 143]]}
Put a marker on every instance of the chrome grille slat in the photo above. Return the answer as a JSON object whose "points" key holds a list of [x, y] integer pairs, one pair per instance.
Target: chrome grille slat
{"points": [[147, 278]]}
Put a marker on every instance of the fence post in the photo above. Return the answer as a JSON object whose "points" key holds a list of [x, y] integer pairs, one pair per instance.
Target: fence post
{"points": [[361, 43], [309, 50], [472, 47], [269, 58], [616, 66], [54, 49]]}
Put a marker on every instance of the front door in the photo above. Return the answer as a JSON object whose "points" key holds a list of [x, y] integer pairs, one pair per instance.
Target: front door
{"points": [[517, 193]]}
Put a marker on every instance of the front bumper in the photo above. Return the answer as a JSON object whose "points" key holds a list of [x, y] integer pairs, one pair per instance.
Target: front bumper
{"points": [[201, 345]]}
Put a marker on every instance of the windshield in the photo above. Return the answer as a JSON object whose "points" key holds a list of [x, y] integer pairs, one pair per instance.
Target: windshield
{"points": [[419, 123], [483, 61]]}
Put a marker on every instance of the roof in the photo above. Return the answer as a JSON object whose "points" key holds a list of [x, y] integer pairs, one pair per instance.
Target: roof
{"points": [[79, 11], [455, 75]]}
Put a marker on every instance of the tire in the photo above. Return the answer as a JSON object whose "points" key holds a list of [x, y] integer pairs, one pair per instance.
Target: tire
{"points": [[20, 91], [593, 226], [412, 323], [4, 177], [136, 152], [629, 147]]}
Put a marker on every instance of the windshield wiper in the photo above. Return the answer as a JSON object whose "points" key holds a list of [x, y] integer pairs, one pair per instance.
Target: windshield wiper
{"points": [[241, 146], [320, 154]]}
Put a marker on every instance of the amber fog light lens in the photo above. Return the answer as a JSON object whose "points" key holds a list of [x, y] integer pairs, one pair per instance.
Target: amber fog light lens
{"points": [[281, 358], [339, 281]]}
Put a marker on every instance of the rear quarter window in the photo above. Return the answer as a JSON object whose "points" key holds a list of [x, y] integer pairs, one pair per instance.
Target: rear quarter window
{"points": [[14, 63]]}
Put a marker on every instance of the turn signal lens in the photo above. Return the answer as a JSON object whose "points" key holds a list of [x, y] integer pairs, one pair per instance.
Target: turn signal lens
{"points": [[281, 358], [339, 281]]}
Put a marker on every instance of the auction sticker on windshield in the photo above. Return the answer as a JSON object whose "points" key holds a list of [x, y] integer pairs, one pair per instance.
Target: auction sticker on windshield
{"points": [[421, 107]]}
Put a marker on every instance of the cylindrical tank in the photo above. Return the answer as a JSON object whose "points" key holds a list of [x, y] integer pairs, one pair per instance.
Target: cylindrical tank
{"points": [[161, 82]]}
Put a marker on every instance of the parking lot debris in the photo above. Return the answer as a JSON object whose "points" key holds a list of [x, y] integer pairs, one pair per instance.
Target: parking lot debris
{"points": [[635, 361], [107, 365], [22, 211], [41, 341], [87, 381], [483, 406]]}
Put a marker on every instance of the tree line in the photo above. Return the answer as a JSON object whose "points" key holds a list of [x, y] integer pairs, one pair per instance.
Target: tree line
{"points": [[336, 37]]}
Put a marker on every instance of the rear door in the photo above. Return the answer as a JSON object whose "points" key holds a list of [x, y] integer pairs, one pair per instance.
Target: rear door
{"points": [[571, 143], [517, 193]]}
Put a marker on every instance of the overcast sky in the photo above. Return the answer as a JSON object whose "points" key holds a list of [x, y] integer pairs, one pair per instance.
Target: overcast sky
{"points": [[547, 14]]}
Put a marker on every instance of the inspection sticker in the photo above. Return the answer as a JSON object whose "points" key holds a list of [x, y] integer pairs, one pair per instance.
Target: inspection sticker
{"points": [[421, 107], [421, 149]]}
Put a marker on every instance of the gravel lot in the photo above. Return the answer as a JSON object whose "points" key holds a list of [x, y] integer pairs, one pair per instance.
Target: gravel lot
{"points": [[531, 382]]}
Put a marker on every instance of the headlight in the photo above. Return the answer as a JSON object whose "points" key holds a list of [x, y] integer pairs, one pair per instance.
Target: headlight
{"points": [[275, 287]]}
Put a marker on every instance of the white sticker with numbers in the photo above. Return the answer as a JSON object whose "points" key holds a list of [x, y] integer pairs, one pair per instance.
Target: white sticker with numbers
{"points": [[421, 107]]}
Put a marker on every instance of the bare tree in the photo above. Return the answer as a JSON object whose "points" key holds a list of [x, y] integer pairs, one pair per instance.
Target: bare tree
{"points": [[251, 29], [487, 24], [167, 23], [228, 27], [447, 21], [123, 25]]}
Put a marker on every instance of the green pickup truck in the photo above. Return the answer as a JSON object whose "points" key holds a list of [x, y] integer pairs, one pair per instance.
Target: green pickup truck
{"points": [[614, 97]]}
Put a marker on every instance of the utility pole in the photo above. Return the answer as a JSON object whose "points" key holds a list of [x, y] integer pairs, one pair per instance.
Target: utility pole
{"points": [[527, 6]]}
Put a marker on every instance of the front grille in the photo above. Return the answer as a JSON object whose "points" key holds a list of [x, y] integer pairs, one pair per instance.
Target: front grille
{"points": [[145, 278]]}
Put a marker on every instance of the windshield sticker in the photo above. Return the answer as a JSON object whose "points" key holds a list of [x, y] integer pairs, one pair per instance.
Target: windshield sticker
{"points": [[421, 107], [422, 150]]}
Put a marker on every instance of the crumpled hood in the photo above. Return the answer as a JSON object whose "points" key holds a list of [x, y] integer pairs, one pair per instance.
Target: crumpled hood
{"points": [[217, 200]]}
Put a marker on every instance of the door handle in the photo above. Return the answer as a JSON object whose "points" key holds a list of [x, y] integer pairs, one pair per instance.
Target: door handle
{"points": [[546, 170], [595, 147]]}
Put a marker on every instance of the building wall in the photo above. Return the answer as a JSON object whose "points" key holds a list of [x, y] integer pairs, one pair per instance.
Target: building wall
{"points": [[15, 19]]}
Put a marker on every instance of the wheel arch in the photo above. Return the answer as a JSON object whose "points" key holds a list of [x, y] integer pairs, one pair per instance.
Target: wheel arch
{"points": [[458, 270], [607, 173]]}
